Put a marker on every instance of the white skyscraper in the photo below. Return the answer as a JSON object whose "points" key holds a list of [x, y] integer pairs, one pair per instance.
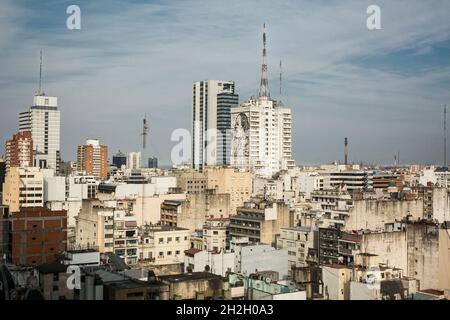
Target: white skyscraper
{"points": [[134, 160], [261, 136], [212, 102], [261, 131], [43, 120]]}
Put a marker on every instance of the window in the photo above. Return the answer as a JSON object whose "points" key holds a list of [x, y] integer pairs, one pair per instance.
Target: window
{"points": [[169, 253], [161, 254], [177, 239], [161, 240], [169, 239], [177, 252]]}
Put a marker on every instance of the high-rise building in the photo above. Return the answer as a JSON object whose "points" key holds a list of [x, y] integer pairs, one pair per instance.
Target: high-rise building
{"points": [[119, 159], [23, 188], [19, 150], [212, 102], [261, 138], [134, 160], [42, 119], [153, 162], [92, 158]]}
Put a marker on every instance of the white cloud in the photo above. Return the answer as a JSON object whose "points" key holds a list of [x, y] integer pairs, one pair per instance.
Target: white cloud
{"points": [[136, 59]]}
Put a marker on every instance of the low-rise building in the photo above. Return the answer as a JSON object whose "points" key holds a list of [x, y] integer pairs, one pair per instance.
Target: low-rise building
{"points": [[296, 240], [260, 221], [215, 235], [196, 286], [162, 244]]}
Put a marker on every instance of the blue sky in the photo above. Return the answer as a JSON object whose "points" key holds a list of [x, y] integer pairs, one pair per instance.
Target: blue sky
{"points": [[383, 89]]}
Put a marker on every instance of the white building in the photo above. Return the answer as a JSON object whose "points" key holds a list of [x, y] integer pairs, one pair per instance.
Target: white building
{"points": [[309, 182], [81, 187], [134, 160], [217, 262], [261, 138], [249, 259], [212, 101], [126, 238], [43, 120]]}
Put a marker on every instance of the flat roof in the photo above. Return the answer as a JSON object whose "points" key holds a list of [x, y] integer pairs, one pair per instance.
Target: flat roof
{"points": [[190, 277]]}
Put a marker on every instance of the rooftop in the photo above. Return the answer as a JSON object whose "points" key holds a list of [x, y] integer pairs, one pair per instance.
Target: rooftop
{"points": [[190, 277]]}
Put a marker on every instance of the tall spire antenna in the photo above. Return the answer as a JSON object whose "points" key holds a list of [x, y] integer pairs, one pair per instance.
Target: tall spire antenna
{"points": [[40, 75], [281, 78], [445, 135], [144, 134], [264, 86]]}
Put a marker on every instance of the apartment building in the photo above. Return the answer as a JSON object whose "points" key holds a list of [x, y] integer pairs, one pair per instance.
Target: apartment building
{"points": [[92, 159], [260, 221], [19, 150], [23, 188], [163, 244]]}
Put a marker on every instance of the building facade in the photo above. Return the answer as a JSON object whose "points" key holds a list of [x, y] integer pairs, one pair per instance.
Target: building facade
{"points": [[43, 121], [261, 138], [211, 105], [92, 158], [23, 188], [19, 150]]}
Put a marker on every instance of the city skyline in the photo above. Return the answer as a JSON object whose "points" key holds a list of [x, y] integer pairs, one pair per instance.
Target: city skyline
{"points": [[383, 89]]}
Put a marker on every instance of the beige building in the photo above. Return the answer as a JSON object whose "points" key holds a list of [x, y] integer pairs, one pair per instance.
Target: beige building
{"points": [[296, 240], [429, 255], [163, 245], [260, 221], [193, 212], [237, 183], [189, 180], [215, 235], [336, 281], [23, 188], [95, 226], [232, 181]]}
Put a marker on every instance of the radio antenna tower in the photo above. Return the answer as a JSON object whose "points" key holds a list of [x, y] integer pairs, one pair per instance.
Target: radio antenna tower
{"points": [[445, 136], [264, 85], [281, 79], [145, 128], [39, 93]]}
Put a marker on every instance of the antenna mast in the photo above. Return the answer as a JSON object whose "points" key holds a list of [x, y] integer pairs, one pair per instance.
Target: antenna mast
{"points": [[264, 85], [144, 134], [40, 75], [281, 78], [445, 135]]}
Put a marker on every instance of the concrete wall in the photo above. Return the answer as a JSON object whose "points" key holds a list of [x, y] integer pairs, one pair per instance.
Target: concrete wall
{"points": [[423, 254], [148, 209], [391, 247], [199, 206], [54, 189], [361, 291], [441, 205], [336, 282], [249, 259], [373, 214], [219, 263]]}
